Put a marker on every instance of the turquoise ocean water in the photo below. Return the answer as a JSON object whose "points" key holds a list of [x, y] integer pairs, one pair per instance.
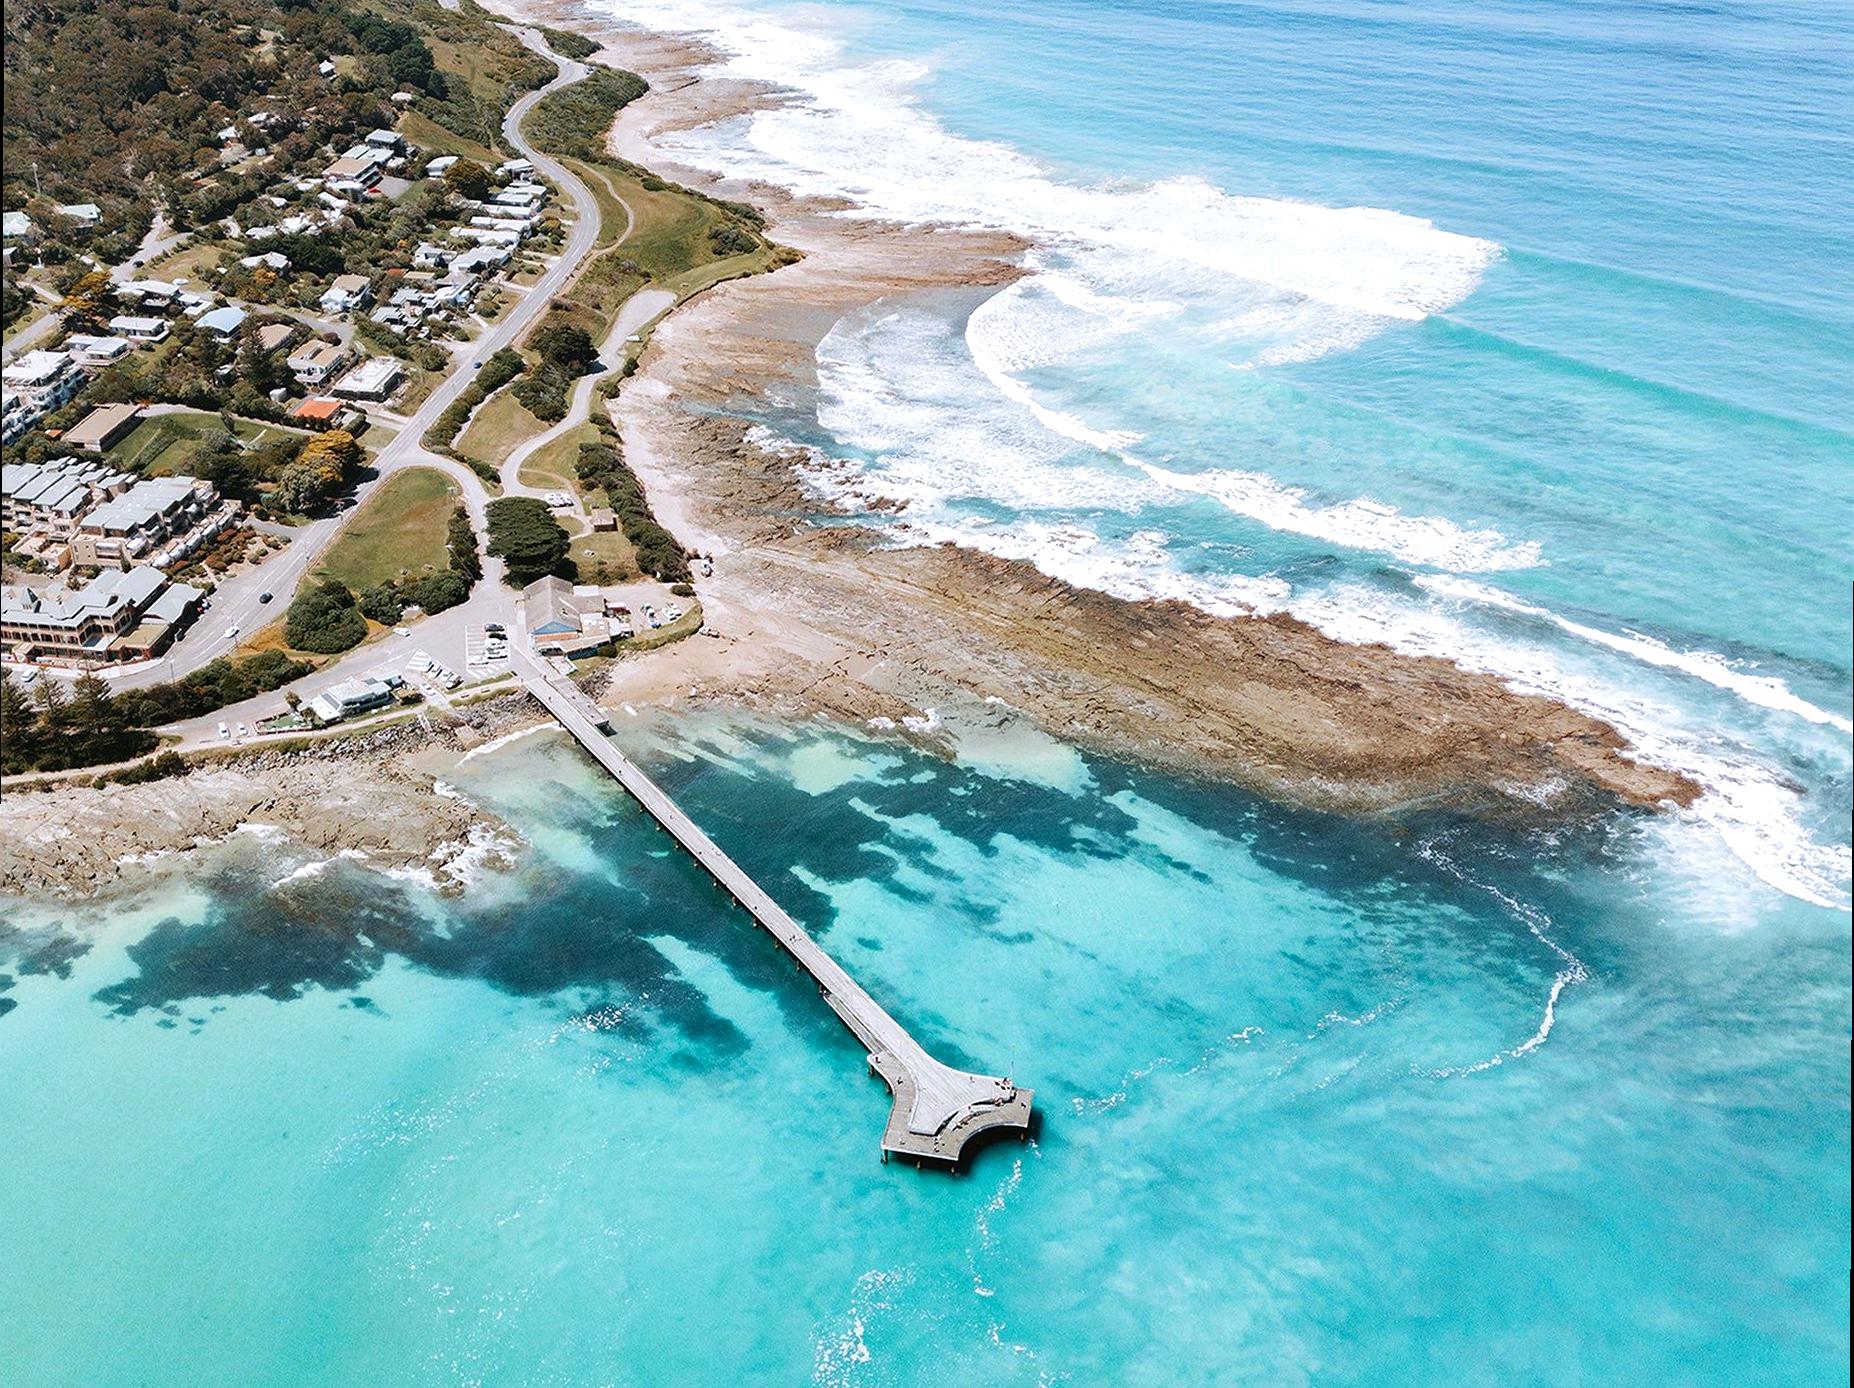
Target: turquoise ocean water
{"points": [[1513, 331]]}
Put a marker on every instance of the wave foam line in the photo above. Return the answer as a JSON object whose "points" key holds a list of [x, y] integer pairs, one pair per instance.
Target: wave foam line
{"points": [[1765, 691], [1362, 524], [1538, 924], [1748, 803]]}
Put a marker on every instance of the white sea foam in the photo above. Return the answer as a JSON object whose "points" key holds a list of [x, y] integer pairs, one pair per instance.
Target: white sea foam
{"points": [[1571, 970], [1749, 804], [1310, 274], [1257, 282], [496, 744], [1766, 691], [1358, 524]]}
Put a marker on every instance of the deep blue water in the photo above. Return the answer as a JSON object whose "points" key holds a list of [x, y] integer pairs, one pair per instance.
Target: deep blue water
{"points": [[1520, 333]]}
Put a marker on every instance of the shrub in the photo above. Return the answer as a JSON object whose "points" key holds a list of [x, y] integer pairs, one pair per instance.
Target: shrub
{"points": [[324, 619], [154, 769], [729, 239], [602, 467], [436, 592], [497, 372], [382, 604], [460, 539]]}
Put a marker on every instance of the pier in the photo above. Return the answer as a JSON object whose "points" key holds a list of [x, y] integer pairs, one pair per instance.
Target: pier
{"points": [[936, 1109]]}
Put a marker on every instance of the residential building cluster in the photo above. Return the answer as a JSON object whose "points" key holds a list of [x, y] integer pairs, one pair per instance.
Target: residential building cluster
{"points": [[121, 615], [74, 512]]}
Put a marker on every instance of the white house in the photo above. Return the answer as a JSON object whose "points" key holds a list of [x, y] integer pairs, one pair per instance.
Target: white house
{"points": [[347, 292], [97, 351], [371, 380], [315, 361], [45, 379], [137, 328], [223, 322]]}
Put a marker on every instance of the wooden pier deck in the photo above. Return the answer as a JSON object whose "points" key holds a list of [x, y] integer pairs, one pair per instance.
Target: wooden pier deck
{"points": [[936, 1109]]}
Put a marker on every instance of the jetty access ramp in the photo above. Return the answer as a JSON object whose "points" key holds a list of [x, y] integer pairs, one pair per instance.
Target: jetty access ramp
{"points": [[937, 1110]]}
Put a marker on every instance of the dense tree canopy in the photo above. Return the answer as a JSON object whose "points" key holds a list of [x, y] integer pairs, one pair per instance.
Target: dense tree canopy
{"points": [[324, 618], [524, 533]]}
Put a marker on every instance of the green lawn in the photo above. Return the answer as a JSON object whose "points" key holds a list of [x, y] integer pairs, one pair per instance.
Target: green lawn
{"points": [[190, 262], [604, 547], [428, 134], [399, 532], [668, 245], [500, 424], [164, 444], [554, 465]]}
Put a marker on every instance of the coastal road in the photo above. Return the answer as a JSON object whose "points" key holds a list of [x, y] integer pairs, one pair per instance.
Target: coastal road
{"points": [[638, 311], [240, 608]]}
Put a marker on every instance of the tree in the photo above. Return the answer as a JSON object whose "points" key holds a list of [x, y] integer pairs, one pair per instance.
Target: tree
{"points": [[467, 179], [566, 345], [318, 472], [382, 604], [93, 707], [461, 539], [324, 619], [526, 536], [86, 301], [436, 592], [18, 722], [53, 706]]}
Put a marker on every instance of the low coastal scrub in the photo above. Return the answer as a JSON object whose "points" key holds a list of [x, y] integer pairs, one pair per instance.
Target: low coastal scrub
{"points": [[156, 768], [602, 467], [570, 45], [386, 603], [497, 372], [325, 618], [574, 120], [566, 353], [209, 688], [524, 534]]}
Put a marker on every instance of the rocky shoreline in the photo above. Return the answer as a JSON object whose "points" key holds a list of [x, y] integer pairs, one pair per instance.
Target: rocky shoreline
{"points": [[827, 617], [373, 796]]}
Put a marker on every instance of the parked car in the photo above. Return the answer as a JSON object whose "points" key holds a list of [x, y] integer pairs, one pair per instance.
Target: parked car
{"points": [[224, 732]]}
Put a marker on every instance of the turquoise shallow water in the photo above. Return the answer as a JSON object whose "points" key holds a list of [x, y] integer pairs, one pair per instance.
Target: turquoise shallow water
{"points": [[1517, 333], [1510, 331], [1303, 1121]]}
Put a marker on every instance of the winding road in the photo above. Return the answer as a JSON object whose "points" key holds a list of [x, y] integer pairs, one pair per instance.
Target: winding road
{"points": [[237, 606]]}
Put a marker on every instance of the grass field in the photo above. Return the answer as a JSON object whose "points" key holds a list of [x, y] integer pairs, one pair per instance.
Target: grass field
{"points": [[400, 532], [498, 426], [553, 466], [164, 444], [668, 245], [189, 263], [428, 134], [590, 549]]}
